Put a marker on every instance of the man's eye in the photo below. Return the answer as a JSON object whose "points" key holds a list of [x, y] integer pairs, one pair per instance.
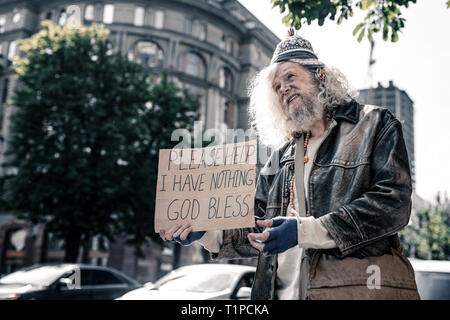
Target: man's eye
{"points": [[290, 76]]}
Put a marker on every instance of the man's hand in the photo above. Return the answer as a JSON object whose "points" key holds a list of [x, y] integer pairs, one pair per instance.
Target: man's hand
{"points": [[280, 238], [182, 234]]}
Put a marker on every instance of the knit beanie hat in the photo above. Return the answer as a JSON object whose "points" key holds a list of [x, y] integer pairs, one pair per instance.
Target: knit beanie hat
{"points": [[299, 50]]}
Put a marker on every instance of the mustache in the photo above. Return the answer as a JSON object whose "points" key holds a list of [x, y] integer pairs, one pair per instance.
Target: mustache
{"points": [[288, 97], [305, 108], [303, 114]]}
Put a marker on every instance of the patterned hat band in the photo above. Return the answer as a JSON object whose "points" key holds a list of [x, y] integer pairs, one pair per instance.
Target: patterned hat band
{"points": [[297, 53], [311, 64]]}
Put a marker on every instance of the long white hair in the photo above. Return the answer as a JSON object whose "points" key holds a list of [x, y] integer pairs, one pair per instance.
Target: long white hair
{"points": [[266, 115]]}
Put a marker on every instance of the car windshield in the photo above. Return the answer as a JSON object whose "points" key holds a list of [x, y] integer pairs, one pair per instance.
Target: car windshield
{"points": [[433, 285], [196, 282], [39, 276]]}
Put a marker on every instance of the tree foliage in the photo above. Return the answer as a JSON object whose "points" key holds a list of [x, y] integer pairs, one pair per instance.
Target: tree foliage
{"points": [[381, 15], [430, 238], [168, 109], [85, 136]]}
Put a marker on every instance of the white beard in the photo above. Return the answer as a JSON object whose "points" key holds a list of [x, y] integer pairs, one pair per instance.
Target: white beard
{"points": [[303, 114]]}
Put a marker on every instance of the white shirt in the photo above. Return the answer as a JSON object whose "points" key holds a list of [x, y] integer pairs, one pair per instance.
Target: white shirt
{"points": [[311, 234]]}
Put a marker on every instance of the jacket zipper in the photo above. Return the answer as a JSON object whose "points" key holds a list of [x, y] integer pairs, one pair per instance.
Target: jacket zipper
{"points": [[285, 199], [275, 257]]}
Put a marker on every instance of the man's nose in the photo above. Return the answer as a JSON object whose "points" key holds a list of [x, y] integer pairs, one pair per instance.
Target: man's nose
{"points": [[285, 88]]}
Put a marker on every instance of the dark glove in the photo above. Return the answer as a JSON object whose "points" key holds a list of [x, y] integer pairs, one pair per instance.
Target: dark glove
{"points": [[282, 236], [193, 236]]}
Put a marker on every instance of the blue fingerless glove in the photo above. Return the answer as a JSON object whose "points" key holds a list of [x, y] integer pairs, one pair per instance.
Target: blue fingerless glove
{"points": [[282, 236], [193, 236]]}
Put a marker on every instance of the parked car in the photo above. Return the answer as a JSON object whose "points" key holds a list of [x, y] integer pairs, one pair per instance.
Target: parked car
{"points": [[432, 278], [65, 282], [199, 282]]}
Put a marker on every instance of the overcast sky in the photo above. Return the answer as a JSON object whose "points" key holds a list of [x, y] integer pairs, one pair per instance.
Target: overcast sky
{"points": [[418, 63]]}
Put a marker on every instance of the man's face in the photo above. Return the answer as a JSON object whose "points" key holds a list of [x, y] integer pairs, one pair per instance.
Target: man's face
{"points": [[298, 95], [292, 83]]}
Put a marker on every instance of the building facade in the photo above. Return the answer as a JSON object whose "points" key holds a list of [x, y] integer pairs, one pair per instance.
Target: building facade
{"points": [[208, 47], [402, 106]]}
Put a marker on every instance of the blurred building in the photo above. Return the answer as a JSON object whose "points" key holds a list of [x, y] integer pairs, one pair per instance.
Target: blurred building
{"points": [[402, 106], [209, 47]]}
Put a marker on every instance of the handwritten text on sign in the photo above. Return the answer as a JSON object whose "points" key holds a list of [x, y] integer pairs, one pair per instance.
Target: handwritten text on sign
{"points": [[213, 188]]}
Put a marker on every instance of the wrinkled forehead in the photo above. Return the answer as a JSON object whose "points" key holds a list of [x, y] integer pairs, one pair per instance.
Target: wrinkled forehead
{"points": [[283, 68]]}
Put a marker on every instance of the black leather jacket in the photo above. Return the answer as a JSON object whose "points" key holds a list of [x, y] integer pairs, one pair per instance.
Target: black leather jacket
{"points": [[359, 189]]}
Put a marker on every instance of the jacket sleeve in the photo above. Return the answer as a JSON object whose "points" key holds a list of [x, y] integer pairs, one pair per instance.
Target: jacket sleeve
{"points": [[235, 243], [385, 208]]}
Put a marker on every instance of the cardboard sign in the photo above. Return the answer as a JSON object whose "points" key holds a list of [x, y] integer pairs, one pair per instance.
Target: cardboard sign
{"points": [[213, 188]]}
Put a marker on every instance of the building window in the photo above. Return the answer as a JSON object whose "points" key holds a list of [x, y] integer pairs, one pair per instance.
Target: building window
{"points": [[222, 42], [229, 46], [2, 24], [49, 16], [187, 26], [259, 55], [228, 113], [89, 12], [199, 30], [14, 250], [108, 14], [159, 19], [11, 50], [193, 64], [55, 248], [202, 32], [62, 17], [194, 28], [149, 54], [16, 17], [225, 79], [5, 90], [199, 92], [139, 16]]}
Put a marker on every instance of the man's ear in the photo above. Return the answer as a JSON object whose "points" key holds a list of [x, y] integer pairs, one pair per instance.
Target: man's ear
{"points": [[320, 74]]}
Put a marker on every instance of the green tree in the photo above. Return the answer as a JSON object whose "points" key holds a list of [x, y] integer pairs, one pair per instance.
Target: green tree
{"points": [[382, 15], [169, 109], [434, 235], [430, 239], [85, 136], [409, 239]]}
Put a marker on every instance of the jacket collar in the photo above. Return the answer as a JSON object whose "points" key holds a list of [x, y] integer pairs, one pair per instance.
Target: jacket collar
{"points": [[289, 153], [349, 112]]}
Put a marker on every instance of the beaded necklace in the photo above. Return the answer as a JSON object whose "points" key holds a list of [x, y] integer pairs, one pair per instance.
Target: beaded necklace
{"points": [[305, 160]]}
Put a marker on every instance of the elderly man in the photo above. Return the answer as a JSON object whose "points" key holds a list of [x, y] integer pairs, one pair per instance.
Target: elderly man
{"points": [[333, 195]]}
